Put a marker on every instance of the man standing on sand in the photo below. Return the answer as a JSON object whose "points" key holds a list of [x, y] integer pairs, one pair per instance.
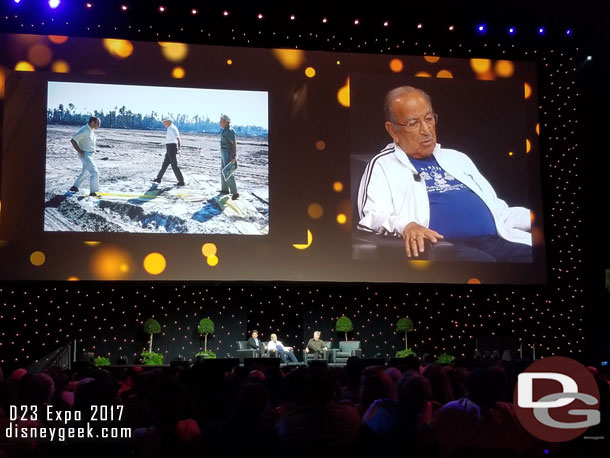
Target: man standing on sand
{"points": [[172, 149], [228, 150], [83, 142]]}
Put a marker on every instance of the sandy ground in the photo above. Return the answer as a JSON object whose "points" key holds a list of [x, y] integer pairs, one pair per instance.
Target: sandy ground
{"points": [[128, 160]]}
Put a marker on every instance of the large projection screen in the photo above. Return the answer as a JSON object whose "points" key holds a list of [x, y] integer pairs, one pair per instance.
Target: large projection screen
{"points": [[314, 157]]}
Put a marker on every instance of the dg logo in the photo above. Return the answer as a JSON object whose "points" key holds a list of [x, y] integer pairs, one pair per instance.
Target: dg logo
{"points": [[556, 399]]}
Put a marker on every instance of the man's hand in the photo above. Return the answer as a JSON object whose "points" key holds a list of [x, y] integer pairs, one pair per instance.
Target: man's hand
{"points": [[81, 153], [414, 236], [306, 349]]}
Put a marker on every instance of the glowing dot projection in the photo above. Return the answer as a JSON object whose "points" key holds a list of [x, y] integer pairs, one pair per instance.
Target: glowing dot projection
{"points": [[419, 264], [73, 278], [37, 258], [119, 49], [528, 145], [343, 95], [474, 281], [212, 261], [23, 66], [527, 90], [290, 59], [504, 68], [341, 218], [423, 74], [40, 55], [337, 186], [174, 52], [444, 74], [396, 65], [510, 153], [60, 66], [209, 249], [310, 72], [229, 62], [480, 66], [58, 39], [432, 59], [537, 128], [304, 246], [315, 211], [320, 145], [110, 263], [178, 73], [154, 263]]}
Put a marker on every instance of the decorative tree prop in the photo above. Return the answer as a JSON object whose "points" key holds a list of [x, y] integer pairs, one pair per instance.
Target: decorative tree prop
{"points": [[206, 326], [404, 325], [151, 326], [344, 324]]}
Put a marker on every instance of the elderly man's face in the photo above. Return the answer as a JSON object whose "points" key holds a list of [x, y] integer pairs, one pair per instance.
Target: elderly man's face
{"points": [[417, 143], [316, 335], [166, 123]]}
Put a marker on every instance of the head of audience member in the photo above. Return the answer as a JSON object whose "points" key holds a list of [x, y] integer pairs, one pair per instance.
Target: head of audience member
{"points": [[375, 384], [414, 392], [40, 389], [439, 383], [394, 374], [255, 376], [17, 374], [321, 386], [483, 387]]}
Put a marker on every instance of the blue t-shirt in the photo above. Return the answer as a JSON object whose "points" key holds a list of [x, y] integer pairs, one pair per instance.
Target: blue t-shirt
{"points": [[456, 212]]}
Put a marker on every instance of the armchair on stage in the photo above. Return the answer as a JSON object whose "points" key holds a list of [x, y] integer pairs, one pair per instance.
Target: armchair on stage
{"points": [[346, 350], [326, 354], [243, 351]]}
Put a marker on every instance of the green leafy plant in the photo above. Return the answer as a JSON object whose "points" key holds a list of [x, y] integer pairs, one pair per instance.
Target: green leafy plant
{"points": [[404, 353], [151, 326], [206, 326], [445, 358], [404, 325], [344, 324], [207, 354], [101, 361], [150, 358]]}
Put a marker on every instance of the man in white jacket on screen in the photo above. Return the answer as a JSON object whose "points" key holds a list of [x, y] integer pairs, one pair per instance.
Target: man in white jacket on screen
{"points": [[419, 191]]}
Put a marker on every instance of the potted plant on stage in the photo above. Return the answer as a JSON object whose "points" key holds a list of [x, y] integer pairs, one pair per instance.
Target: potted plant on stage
{"points": [[344, 324], [206, 327], [151, 327], [404, 325]]}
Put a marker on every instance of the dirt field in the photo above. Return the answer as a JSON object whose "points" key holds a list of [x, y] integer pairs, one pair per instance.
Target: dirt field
{"points": [[128, 160]]}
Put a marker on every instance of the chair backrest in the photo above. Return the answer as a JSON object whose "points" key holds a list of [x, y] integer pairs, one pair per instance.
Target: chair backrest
{"points": [[242, 344], [349, 345]]}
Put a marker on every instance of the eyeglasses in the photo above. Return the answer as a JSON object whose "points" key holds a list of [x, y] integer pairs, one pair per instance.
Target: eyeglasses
{"points": [[431, 119]]}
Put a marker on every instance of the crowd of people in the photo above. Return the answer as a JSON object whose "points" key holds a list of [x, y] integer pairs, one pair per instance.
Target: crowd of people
{"points": [[429, 410]]}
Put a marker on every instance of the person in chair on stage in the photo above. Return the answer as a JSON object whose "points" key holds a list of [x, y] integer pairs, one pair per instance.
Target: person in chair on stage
{"points": [[256, 344], [316, 346], [282, 350]]}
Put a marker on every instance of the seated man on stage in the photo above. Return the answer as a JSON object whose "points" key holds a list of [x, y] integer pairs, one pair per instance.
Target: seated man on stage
{"points": [[283, 351], [317, 346], [255, 344]]}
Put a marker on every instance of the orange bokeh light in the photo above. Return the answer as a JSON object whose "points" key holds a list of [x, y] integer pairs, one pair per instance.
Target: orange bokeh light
{"points": [[444, 74], [23, 66], [474, 281], [396, 65], [337, 186], [423, 74], [528, 145], [343, 94], [121, 49], [480, 66], [528, 90], [290, 59], [178, 73], [40, 55], [504, 68], [174, 52], [320, 145], [315, 211], [310, 72], [110, 263], [432, 59], [60, 66], [58, 39]]}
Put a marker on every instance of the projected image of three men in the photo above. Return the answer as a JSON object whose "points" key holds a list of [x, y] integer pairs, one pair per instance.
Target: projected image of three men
{"points": [[149, 159]]}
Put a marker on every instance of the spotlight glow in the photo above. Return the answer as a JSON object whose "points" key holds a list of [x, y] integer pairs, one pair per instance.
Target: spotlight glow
{"points": [[54, 3], [89, 5], [356, 21], [161, 9], [569, 32], [511, 30], [225, 13], [481, 28], [194, 12], [541, 30], [123, 7]]}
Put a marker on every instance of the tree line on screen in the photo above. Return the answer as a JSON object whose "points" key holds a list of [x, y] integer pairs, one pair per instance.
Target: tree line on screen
{"points": [[124, 118]]}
